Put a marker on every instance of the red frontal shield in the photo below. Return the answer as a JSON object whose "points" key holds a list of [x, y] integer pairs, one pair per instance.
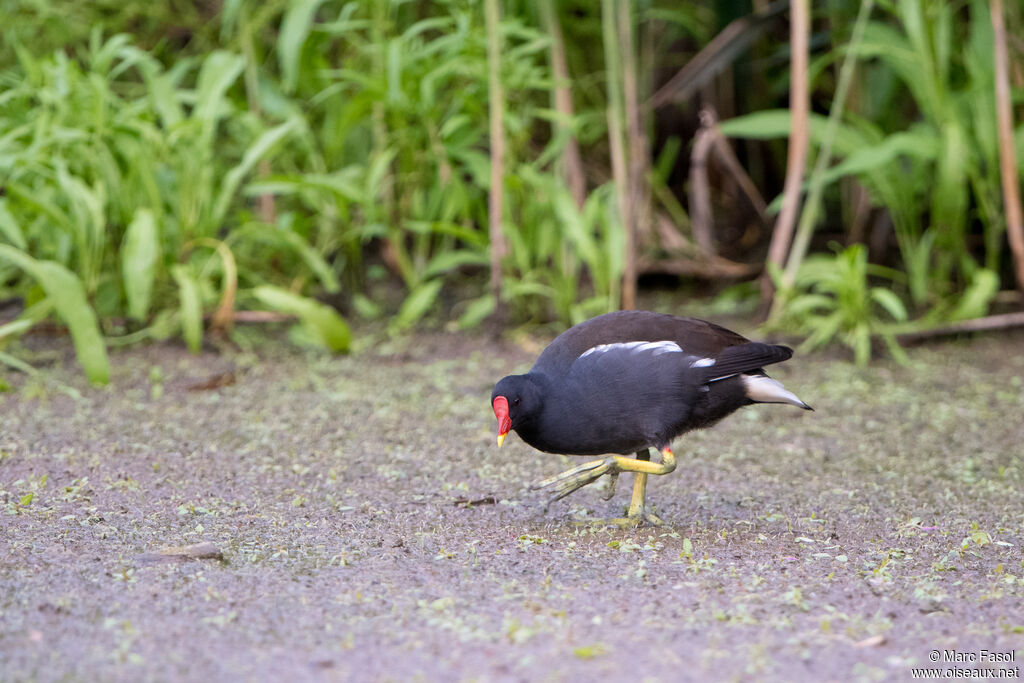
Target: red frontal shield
{"points": [[504, 421]]}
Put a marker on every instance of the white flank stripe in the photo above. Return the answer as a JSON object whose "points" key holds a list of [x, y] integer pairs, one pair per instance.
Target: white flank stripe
{"points": [[703, 363], [657, 347]]}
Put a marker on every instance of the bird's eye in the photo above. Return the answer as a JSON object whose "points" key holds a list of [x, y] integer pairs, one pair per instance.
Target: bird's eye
{"points": [[515, 401]]}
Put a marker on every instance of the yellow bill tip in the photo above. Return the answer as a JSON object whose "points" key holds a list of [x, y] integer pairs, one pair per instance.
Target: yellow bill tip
{"points": [[501, 439]]}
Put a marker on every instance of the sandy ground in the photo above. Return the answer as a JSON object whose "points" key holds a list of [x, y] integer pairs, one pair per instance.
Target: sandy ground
{"points": [[371, 530]]}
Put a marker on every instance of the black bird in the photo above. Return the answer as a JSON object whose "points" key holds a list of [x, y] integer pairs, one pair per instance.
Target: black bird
{"points": [[629, 381]]}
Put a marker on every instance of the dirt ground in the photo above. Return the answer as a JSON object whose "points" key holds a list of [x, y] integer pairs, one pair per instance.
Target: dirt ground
{"points": [[371, 530]]}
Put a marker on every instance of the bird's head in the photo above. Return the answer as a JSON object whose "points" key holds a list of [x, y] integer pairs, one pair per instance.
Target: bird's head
{"points": [[514, 399]]}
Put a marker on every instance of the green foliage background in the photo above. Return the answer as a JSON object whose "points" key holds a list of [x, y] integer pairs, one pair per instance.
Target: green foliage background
{"points": [[166, 164]]}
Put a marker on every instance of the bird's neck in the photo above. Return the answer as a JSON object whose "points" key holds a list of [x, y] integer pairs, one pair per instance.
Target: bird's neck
{"points": [[564, 426]]}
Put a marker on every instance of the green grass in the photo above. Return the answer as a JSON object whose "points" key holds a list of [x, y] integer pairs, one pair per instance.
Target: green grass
{"points": [[337, 152]]}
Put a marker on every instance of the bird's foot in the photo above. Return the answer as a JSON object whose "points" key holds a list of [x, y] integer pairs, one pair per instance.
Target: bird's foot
{"points": [[653, 519], [636, 518], [637, 513], [627, 522], [572, 480]]}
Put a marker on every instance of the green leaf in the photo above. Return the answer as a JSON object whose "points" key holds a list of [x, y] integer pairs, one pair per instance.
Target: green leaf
{"points": [[295, 29], [666, 161], [516, 289], [823, 330], [321, 321], [807, 304], [41, 202], [66, 291], [17, 364], [894, 348], [380, 166], [417, 304], [88, 217], [29, 317], [860, 341], [191, 306], [975, 300], [313, 259], [220, 69], [366, 307], [775, 123], [759, 125], [950, 194], [890, 302], [163, 94], [916, 145], [139, 253], [17, 327], [9, 227], [292, 240], [477, 311], [577, 231], [449, 260], [871, 157], [340, 183], [393, 61], [260, 148], [917, 257], [471, 236], [230, 12]]}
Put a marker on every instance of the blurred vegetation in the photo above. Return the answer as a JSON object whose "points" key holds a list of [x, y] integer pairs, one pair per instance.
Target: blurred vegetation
{"points": [[170, 168]]}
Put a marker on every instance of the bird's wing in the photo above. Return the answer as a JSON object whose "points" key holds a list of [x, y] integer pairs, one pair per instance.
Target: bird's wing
{"points": [[644, 362], [748, 357], [696, 337], [633, 367]]}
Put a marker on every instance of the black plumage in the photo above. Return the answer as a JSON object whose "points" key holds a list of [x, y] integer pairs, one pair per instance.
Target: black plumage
{"points": [[627, 381]]}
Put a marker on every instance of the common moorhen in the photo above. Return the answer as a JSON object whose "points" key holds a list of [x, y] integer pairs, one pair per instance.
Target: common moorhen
{"points": [[626, 382]]}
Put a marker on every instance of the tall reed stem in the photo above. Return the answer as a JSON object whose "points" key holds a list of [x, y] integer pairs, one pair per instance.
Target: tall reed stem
{"points": [[799, 136], [1007, 154], [496, 195]]}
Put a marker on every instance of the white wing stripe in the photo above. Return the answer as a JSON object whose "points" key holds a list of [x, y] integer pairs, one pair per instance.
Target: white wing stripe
{"points": [[656, 347]]}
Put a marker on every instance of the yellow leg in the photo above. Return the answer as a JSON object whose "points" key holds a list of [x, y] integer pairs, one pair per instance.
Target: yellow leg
{"points": [[638, 513], [636, 505], [572, 480]]}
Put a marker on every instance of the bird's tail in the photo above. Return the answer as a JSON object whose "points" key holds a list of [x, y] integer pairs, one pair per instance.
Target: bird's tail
{"points": [[750, 358], [745, 358], [764, 389]]}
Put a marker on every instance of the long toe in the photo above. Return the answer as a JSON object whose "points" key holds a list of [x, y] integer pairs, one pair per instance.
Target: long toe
{"points": [[582, 470], [652, 519], [613, 479], [564, 488], [627, 522], [572, 480]]}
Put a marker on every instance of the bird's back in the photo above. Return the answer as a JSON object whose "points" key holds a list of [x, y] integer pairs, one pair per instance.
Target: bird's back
{"points": [[695, 337]]}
